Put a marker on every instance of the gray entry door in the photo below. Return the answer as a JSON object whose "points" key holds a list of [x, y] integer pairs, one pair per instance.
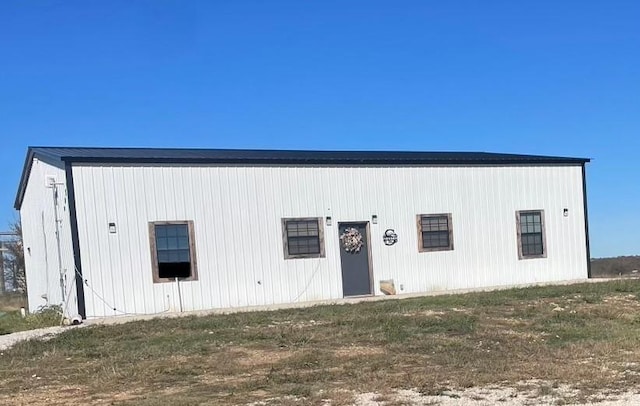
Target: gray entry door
{"points": [[356, 276]]}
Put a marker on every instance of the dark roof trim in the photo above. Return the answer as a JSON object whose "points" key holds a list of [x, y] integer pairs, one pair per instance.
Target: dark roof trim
{"points": [[26, 171], [59, 156], [167, 155], [75, 242]]}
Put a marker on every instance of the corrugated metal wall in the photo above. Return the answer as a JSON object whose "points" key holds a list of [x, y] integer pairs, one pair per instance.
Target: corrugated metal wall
{"points": [[37, 216], [237, 214]]}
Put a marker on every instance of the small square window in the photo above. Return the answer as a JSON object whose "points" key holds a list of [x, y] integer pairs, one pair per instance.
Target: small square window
{"points": [[531, 235], [435, 232], [303, 237], [172, 251]]}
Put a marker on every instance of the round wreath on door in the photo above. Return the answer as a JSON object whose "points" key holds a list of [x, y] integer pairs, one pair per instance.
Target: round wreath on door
{"points": [[351, 240]]}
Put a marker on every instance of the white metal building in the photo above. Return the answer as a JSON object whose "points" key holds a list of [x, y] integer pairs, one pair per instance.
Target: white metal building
{"points": [[138, 231]]}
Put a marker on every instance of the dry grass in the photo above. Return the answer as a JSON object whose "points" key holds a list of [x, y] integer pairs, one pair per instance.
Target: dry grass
{"points": [[10, 302], [585, 336]]}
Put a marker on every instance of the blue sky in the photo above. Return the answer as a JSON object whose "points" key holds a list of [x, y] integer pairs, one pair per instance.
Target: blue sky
{"points": [[535, 77]]}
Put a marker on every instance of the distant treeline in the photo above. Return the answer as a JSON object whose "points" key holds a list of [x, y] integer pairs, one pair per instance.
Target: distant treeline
{"points": [[615, 266]]}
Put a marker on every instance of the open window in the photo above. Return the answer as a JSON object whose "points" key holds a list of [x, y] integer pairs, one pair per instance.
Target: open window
{"points": [[173, 251]]}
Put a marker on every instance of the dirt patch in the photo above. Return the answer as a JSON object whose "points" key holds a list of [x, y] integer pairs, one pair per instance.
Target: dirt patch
{"points": [[627, 300], [257, 357], [357, 351], [424, 313], [296, 324], [524, 394], [46, 395]]}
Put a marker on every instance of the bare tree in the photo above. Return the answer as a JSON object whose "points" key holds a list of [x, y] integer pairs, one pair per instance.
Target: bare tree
{"points": [[2, 281], [14, 260]]}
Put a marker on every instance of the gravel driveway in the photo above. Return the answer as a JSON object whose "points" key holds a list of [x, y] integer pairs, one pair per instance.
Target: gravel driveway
{"points": [[504, 396], [8, 340]]}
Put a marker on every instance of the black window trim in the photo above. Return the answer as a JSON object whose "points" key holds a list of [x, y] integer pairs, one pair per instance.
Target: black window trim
{"points": [[521, 255], [154, 252], [285, 240], [421, 247]]}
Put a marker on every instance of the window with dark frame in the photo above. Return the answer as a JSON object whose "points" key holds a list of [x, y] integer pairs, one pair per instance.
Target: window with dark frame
{"points": [[531, 239], [435, 232], [303, 237], [173, 251]]}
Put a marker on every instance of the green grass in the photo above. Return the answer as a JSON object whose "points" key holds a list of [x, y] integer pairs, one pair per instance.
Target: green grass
{"points": [[12, 321], [583, 335]]}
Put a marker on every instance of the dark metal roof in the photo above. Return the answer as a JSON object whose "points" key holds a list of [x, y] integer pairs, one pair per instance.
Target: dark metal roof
{"points": [[60, 155], [171, 155]]}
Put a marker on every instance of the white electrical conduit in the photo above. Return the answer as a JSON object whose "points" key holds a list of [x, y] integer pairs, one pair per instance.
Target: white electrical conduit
{"points": [[179, 294]]}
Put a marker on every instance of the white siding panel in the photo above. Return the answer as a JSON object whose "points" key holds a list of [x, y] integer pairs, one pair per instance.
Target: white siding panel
{"points": [[237, 214], [37, 216]]}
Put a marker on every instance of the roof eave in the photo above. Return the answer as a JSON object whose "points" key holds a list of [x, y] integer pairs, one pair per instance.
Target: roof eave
{"points": [[26, 172], [326, 161]]}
